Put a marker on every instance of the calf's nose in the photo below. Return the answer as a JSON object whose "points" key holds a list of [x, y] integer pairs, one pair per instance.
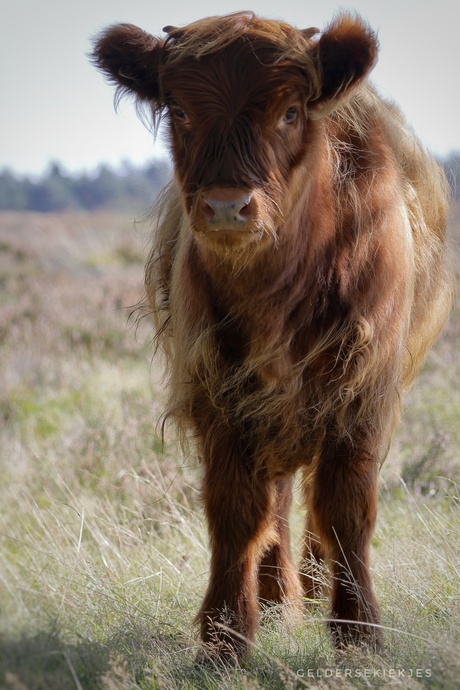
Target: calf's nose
{"points": [[226, 208]]}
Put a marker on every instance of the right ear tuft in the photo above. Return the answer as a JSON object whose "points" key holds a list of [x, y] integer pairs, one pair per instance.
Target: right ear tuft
{"points": [[129, 58]]}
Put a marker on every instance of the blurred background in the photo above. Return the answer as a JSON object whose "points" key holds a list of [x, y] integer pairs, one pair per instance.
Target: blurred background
{"points": [[58, 126]]}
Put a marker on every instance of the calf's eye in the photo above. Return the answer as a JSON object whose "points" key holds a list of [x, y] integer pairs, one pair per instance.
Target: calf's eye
{"points": [[290, 116], [180, 116]]}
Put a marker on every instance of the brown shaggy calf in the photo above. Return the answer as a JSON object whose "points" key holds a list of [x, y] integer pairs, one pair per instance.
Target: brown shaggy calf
{"points": [[297, 281]]}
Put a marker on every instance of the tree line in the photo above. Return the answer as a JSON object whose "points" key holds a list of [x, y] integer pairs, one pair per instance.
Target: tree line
{"points": [[128, 187]]}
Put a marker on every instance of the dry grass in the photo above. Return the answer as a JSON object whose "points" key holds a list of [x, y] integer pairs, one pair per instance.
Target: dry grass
{"points": [[103, 546]]}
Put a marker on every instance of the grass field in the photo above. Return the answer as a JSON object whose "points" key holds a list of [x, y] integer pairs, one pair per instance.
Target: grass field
{"points": [[103, 547]]}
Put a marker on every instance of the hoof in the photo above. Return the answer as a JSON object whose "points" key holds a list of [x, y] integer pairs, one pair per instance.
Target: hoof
{"points": [[346, 634]]}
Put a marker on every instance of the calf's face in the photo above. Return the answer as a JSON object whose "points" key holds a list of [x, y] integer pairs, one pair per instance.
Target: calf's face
{"points": [[243, 99], [238, 128]]}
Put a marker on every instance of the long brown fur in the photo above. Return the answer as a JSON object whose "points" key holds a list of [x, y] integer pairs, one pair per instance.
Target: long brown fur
{"points": [[290, 334]]}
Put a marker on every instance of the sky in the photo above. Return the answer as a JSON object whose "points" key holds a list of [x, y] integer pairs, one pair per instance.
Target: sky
{"points": [[56, 107]]}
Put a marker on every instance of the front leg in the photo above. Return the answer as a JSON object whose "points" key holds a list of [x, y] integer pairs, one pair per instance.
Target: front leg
{"points": [[239, 510], [344, 504]]}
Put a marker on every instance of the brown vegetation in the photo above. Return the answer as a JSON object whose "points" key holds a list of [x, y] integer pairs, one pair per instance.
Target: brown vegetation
{"points": [[102, 539]]}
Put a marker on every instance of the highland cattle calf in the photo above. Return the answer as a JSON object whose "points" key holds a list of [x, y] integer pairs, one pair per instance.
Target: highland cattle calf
{"points": [[297, 280]]}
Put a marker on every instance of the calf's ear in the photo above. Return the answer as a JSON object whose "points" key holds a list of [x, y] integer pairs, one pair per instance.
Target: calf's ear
{"points": [[129, 58], [344, 56]]}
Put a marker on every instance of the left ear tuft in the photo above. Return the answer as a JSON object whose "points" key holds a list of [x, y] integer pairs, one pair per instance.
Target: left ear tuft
{"points": [[345, 54], [129, 58]]}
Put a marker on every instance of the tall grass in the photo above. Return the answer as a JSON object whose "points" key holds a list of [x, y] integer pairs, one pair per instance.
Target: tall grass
{"points": [[104, 552]]}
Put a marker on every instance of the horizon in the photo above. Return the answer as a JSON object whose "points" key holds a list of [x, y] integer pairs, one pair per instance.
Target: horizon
{"points": [[127, 167]]}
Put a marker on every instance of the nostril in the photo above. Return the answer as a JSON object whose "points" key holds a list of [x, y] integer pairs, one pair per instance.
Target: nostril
{"points": [[207, 209], [241, 205], [246, 210]]}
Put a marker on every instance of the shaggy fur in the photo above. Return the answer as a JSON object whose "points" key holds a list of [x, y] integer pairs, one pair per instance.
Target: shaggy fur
{"points": [[297, 280]]}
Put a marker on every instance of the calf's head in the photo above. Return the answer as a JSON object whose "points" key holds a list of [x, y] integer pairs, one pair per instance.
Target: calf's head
{"points": [[243, 99]]}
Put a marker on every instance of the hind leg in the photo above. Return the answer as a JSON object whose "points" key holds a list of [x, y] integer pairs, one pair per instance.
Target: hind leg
{"points": [[278, 579], [313, 555]]}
